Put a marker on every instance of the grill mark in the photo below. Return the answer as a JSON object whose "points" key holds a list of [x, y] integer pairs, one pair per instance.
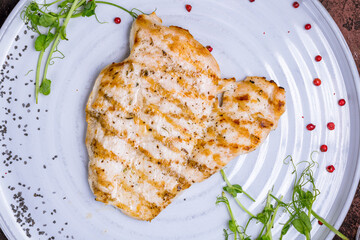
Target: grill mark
{"points": [[206, 171], [264, 123], [154, 208], [173, 48], [217, 159], [151, 108], [110, 80], [166, 196], [245, 97], [201, 147], [166, 141], [181, 81], [241, 101], [100, 152], [233, 147], [256, 88], [233, 122], [254, 139], [162, 163], [101, 177], [178, 127], [109, 76], [242, 104], [193, 62], [106, 198], [169, 97]]}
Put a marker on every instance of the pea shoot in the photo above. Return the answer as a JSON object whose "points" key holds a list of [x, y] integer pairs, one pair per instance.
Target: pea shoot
{"points": [[299, 209], [234, 190], [233, 226], [50, 24]]}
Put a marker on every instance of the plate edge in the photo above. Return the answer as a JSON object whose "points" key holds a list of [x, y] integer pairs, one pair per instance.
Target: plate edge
{"points": [[350, 59]]}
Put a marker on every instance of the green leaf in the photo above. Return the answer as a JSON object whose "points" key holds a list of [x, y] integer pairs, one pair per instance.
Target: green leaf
{"points": [[226, 235], [64, 3], [306, 220], [40, 42], [263, 217], [233, 190], [33, 6], [309, 195], [34, 18], [285, 229], [265, 237], [43, 41], [46, 20], [299, 226], [222, 200], [49, 38], [45, 87], [89, 9], [232, 226]]}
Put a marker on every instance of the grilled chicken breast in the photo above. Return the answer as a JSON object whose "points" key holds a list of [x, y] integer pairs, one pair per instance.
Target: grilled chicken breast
{"points": [[155, 126]]}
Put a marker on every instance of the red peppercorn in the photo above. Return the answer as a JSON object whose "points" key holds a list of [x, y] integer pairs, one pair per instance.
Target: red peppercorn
{"points": [[330, 168], [331, 126], [323, 148], [188, 7], [117, 20], [296, 4], [308, 26], [320, 223], [342, 102], [317, 82], [310, 127], [318, 58], [209, 48]]}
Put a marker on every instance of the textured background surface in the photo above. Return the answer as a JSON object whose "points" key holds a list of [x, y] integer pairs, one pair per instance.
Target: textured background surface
{"points": [[346, 14]]}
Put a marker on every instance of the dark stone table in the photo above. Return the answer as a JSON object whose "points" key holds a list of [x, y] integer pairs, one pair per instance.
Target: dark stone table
{"points": [[346, 14]]}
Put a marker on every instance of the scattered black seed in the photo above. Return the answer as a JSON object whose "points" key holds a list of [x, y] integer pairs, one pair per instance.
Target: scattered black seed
{"points": [[38, 195]]}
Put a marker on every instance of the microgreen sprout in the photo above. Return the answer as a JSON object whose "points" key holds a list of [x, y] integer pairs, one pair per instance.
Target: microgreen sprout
{"points": [[234, 190], [299, 209], [233, 226], [303, 197]]}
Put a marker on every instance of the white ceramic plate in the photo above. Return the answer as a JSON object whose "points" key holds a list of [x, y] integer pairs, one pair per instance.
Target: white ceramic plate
{"points": [[44, 191]]}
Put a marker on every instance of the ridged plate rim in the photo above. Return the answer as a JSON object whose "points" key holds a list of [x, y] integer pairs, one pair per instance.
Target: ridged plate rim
{"points": [[350, 62]]}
